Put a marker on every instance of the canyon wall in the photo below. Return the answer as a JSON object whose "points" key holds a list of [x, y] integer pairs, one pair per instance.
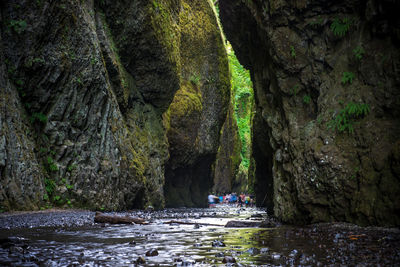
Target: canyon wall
{"points": [[98, 97], [199, 108], [327, 91]]}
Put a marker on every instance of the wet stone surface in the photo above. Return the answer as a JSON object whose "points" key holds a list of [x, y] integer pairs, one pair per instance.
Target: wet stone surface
{"points": [[62, 238]]}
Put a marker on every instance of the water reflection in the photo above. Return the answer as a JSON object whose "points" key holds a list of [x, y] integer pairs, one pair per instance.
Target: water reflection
{"points": [[177, 244]]}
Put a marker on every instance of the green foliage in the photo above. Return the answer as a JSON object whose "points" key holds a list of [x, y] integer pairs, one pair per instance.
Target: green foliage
{"points": [[346, 117], [292, 51], [347, 77], [30, 61], [38, 60], [242, 89], [18, 26], [316, 22], [295, 89], [217, 8], [19, 82], [358, 52], [51, 164], [356, 171], [195, 79], [319, 119], [307, 99], [340, 27], [50, 186], [124, 83], [155, 4], [93, 60], [68, 186], [58, 200], [71, 167], [38, 116]]}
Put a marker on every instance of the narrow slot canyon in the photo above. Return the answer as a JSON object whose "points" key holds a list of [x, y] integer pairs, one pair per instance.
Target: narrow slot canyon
{"points": [[199, 133]]}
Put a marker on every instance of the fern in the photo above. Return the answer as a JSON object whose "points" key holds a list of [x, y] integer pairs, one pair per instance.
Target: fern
{"points": [[18, 26], [292, 51], [347, 77], [50, 186], [340, 27], [307, 99], [358, 52], [38, 117], [346, 117], [295, 89], [195, 79], [51, 164]]}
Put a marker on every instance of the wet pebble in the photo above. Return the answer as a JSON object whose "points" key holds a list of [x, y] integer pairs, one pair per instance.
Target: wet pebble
{"points": [[220, 255], [152, 252], [275, 256], [228, 259], [264, 250], [293, 253], [253, 251], [218, 243], [140, 260], [338, 236]]}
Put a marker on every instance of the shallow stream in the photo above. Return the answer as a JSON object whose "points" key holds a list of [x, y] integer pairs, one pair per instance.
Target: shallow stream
{"points": [[70, 238]]}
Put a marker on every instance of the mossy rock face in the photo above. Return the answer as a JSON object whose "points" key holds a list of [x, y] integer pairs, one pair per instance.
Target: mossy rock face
{"points": [[20, 170], [98, 75], [301, 56], [146, 37], [228, 158], [86, 91], [199, 108]]}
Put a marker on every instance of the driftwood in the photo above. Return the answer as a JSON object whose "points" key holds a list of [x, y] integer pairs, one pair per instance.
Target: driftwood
{"points": [[192, 223], [114, 219]]}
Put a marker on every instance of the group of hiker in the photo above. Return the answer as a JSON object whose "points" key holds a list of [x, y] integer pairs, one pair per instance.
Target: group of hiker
{"points": [[232, 198]]}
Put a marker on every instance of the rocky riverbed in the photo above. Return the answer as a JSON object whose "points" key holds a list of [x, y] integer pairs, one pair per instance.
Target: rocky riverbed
{"points": [[71, 238]]}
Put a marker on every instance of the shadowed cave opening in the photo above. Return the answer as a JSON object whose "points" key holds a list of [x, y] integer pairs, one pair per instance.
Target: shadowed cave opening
{"points": [[188, 186]]}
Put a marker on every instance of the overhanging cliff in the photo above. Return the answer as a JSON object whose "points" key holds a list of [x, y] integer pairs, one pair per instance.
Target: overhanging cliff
{"points": [[326, 130]]}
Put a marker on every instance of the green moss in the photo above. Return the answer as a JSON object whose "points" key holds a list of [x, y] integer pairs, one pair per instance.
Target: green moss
{"points": [[166, 29], [187, 100], [126, 80]]}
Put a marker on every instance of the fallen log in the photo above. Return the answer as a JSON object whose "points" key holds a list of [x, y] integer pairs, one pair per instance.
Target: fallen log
{"points": [[114, 219]]}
